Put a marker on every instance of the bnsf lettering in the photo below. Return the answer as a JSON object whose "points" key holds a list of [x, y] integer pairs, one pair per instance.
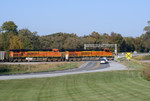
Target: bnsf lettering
{"points": [[32, 53], [86, 53], [73, 54], [16, 54]]}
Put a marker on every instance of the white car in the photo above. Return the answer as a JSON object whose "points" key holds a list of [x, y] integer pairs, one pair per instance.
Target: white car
{"points": [[103, 61]]}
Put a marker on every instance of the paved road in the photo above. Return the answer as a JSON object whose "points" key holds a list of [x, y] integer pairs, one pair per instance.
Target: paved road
{"points": [[145, 61], [89, 66]]}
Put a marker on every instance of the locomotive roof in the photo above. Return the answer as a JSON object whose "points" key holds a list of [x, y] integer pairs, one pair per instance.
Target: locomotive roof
{"points": [[83, 50], [62, 50], [15, 50]]}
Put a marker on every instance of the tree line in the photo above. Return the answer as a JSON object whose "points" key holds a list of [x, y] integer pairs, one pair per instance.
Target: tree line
{"points": [[12, 38]]}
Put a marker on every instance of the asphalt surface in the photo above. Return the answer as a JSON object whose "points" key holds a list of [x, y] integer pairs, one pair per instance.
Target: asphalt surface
{"points": [[87, 67], [145, 61]]}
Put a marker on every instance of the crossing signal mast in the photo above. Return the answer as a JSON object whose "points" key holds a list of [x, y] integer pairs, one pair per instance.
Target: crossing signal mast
{"points": [[101, 45]]}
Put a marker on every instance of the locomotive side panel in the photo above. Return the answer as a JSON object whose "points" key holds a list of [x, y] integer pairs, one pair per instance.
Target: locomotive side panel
{"points": [[36, 55], [89, 55]]}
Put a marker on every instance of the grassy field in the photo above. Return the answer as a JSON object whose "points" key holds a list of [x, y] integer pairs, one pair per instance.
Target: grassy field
{"points": [[135, 62], [145, 57], [43, 67], [101, 86]]}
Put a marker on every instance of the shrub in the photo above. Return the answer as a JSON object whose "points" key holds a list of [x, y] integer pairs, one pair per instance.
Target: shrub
{"points": [[146, 73]]}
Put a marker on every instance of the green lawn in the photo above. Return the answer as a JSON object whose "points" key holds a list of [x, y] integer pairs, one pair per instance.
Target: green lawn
{"points": [[101, 86]]}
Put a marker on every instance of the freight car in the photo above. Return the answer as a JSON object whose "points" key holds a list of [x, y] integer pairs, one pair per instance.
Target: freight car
{"points": [[56, 55]]}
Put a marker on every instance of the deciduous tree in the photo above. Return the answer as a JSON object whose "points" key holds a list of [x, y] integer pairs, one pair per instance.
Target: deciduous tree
{"points": [[9, 27], [15, 43], [30, 39]]}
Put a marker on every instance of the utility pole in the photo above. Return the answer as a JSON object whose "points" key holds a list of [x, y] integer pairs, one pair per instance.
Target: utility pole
{"points": [[116, 49]]}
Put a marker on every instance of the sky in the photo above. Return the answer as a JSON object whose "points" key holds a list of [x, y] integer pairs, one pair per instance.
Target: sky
{"points": [[82, 17]]}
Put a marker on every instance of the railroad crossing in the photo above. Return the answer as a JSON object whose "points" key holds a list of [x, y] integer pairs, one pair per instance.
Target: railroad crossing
{"points": [[128, 56]]}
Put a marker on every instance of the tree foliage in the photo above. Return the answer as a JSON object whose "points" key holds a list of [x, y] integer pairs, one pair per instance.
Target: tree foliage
{"points": [[9, 27], [11, 38], [30, 39], [15, 43], [96, 38]]}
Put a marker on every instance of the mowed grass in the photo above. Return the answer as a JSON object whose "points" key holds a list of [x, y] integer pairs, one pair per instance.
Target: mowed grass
{"points": [[100, 86]]}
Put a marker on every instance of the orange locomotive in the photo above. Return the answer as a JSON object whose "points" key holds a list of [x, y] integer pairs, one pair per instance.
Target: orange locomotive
{"points": [[78, 55], [36, 55], [56, 55]]}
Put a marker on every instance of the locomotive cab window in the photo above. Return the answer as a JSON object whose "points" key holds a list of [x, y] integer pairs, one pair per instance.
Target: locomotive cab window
{"points": [[106, 50], [55, 50]]}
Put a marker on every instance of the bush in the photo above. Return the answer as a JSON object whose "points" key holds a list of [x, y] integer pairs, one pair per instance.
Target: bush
{"points": [[146, 73], [6, 69], [147, 57]]}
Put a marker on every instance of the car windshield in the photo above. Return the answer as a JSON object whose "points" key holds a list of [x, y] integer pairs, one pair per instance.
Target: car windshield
{"points": [[102, 59]]}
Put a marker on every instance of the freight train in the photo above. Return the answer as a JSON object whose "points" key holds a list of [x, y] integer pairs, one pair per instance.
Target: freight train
{"points": [[21, 55]]}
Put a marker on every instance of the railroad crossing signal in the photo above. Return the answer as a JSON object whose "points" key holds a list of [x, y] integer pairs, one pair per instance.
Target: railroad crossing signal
{"points": [[128, 55]]}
